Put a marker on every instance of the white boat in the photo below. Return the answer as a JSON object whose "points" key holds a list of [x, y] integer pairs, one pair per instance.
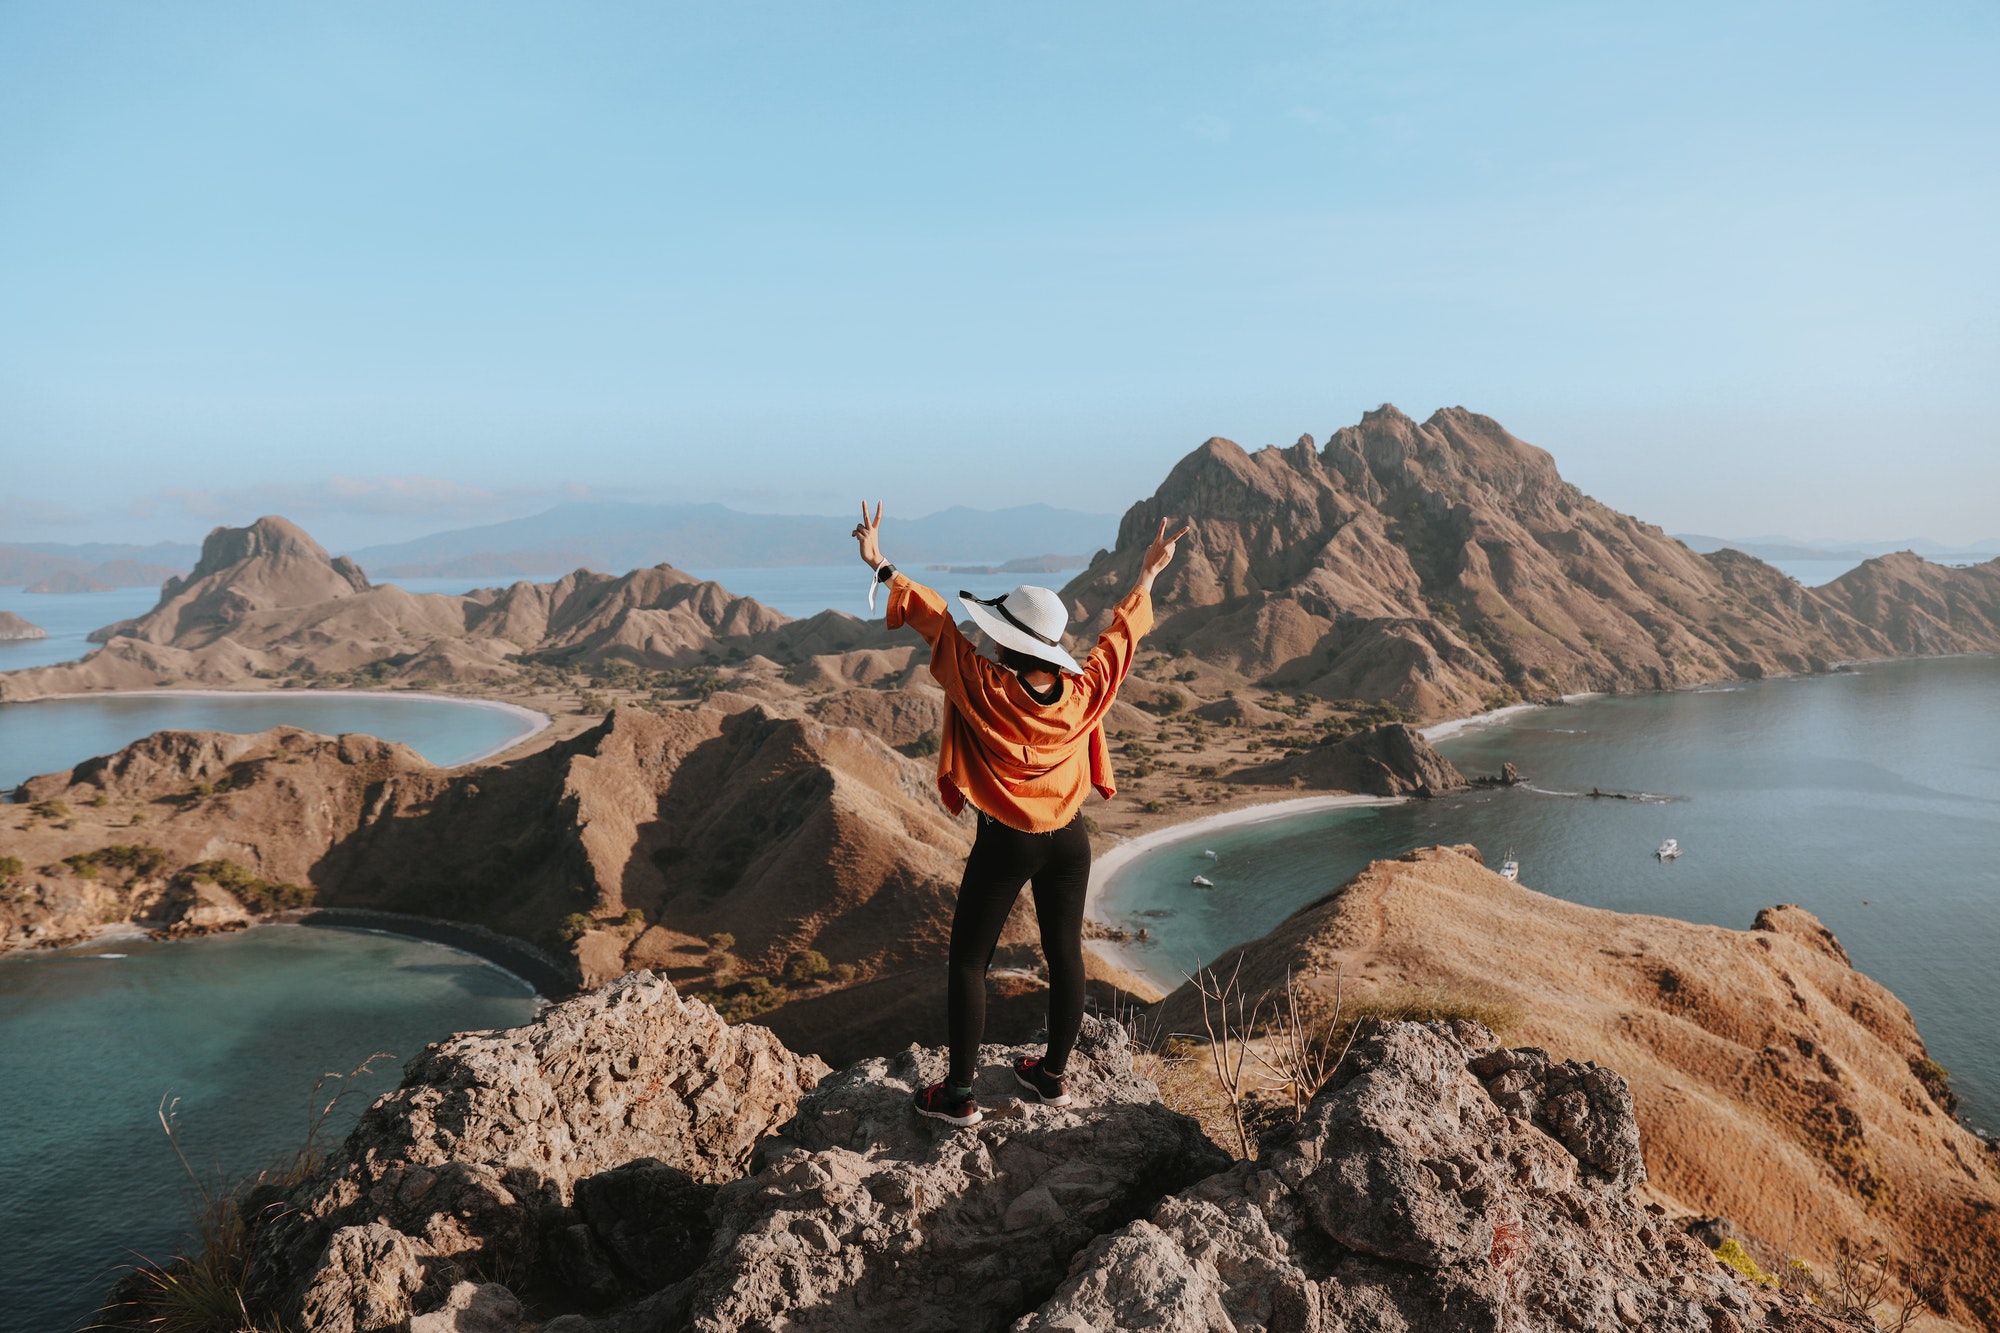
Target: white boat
{"points": [[1209, 855], [1668, 850], [1203, 882], [1510, 868]]}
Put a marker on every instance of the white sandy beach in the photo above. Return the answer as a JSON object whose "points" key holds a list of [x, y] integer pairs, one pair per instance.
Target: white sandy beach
{"points": [[537, 722]]}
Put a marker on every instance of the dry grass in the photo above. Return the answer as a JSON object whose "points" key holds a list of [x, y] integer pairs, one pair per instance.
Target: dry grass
{"points": [[201, 1289]]}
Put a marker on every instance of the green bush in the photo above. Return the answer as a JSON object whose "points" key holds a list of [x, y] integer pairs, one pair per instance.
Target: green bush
{"points": [[138, 860], [50, 809], [744, 1000], [1732, 1253], [252, 891], [807, 966], [573, 927], [634, 917], [10, 866]]}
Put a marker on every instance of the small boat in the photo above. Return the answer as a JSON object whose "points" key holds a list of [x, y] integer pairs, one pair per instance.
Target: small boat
{"points": [[1668, 850], [1209, 855], [1203, 882], [1510, 868]]}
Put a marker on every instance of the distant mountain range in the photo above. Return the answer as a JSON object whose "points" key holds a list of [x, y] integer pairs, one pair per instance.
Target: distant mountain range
{"points": [[1792, 548], [615, 537], [92, 566]]}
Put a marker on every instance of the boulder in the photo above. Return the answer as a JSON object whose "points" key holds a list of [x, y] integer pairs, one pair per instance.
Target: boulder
{"points": [[863, 1216], [496, 1140], [1415, 1198]]}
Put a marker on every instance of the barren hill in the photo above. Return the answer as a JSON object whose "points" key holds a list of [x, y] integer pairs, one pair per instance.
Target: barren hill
{"points": [[266, 601], [1446, 566], [1776, 1085]]}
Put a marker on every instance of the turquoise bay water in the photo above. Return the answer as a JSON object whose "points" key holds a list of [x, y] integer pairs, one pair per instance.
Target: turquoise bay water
{"points": [[48, 735], [1870, 797], [67, 617], [235, 1026]]}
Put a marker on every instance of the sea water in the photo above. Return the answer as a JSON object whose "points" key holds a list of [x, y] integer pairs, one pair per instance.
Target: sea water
{"points": [[1870, 797], [233, 1029], [49, 735]]}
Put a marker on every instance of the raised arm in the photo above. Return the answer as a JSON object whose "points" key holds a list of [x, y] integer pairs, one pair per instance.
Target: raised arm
{"points": [[921, 608], [1130, 619], [1159, 555]]}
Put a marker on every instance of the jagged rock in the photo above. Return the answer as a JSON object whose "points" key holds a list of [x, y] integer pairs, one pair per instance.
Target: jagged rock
{"points": [[1411, 1200], [862, 1216], [1584, 1106], [363, 1280], [473, 1308], [490, 1131]]}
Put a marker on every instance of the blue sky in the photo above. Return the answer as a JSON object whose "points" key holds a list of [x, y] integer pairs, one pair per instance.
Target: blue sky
{"points": [[392, 268]]}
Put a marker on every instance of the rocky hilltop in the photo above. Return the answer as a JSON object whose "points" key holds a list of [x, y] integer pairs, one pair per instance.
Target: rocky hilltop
{"points": [[629, 1163], [1774, 1085], [1446, 566]]}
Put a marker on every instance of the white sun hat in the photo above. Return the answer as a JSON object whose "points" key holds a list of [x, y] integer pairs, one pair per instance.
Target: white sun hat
{"points": [[1029, 620]]}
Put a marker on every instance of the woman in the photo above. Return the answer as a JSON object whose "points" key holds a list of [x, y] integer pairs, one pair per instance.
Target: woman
{"points": [[1022, 743]]}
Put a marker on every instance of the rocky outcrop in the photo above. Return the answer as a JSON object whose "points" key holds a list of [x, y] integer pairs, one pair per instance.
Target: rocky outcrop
{"points": [[1389, 760], [12, 627], [1446, 565], [1772, 1082], [629, 1164], [269, 565], [1439, 1184], [544, 1144]]}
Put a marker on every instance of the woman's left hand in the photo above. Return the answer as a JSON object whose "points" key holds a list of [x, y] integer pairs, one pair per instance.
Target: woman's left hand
{"points": [[869, 533]]}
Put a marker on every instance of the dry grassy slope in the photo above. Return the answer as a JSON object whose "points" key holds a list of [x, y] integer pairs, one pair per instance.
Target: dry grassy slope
{"points": [[1439, 565], [1773, 1081]]}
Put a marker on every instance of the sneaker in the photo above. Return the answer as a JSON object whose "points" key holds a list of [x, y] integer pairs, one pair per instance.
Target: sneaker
{"points": [[937, 1102], [1048, 1088]]}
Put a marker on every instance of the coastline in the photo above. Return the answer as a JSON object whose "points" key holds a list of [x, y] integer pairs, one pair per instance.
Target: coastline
{"points": [[538, 722], [1104, 867]]}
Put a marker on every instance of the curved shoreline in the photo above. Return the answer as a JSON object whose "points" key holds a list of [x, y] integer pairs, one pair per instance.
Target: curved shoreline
{"points": [[519, 959], [1103, 868], [538, 722]]}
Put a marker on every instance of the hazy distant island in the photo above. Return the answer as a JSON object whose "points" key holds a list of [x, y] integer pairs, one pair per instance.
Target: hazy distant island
{"points": [[741, 804], [13, 627]]}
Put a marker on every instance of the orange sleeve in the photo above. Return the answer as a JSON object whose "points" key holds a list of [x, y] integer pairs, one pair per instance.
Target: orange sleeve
{"points": [[953, 659], [1118, 646]]}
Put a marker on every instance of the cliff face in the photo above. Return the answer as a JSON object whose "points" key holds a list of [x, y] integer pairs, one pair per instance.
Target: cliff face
{"points": [[1447, 565], [1774, 1084], [612, 1168]]}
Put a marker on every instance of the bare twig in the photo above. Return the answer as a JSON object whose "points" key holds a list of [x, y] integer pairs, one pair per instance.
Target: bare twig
{"points": [[1228, 1037]]}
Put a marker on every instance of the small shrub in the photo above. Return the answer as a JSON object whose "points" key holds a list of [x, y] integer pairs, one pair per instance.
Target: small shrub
{"points": [[807, 966], [923, 746], [722, 942], [634, 917], [10, 866], [744, 1000], [1732, 1254], [50, 809], [100, 800], [251, 890], [1154, 807], [1937, 1083], [573, 927], [592, 705], [845, 972]]}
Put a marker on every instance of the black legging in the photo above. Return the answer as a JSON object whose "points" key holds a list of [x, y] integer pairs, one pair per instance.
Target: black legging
{"points": [[1002, 860]]}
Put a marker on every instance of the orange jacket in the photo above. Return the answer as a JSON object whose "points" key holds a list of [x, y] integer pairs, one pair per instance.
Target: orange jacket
{"points": [[1028, 765]]}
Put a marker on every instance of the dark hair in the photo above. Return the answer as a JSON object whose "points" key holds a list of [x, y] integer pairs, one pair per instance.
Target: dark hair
{"points": [[1021, 664]]}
